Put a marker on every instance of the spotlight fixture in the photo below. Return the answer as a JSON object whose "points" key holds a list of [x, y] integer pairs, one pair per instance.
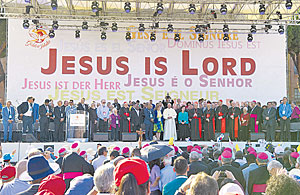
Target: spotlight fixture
{"points": [[127, 7], [279, 15], [281, 29], [152, 37], [128, 36], [77, 34], [262, 9], [192, 8], [253, 29], [26, 24], [159, 8], [35, 21], [85, 26], [95, 6], [225, 28], [170, 28], [288, 4], [267, 27], [27, 8], [177, 37], [114, 27], [250, 38], [201, 37], [226, 37], [197, 28], [223, 9], [103, 36], [54, 4], [51, 34], [55, 25], [213, 12], [141, 27]]}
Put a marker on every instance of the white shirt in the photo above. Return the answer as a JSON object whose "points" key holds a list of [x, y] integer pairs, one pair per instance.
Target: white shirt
{"points": [[98, 162], [29, 111]]}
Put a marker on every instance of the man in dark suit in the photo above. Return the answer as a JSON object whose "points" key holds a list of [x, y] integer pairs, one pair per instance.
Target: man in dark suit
{"points": [[116, 104], [59, 121], [269, 117], [148, 121], [135, 117], [226, 159], [214, 164], [259, 177], [25, 111], [82, 106], [221, 115], [196, 165], [45, 113], [233, 120], [255, 115]]}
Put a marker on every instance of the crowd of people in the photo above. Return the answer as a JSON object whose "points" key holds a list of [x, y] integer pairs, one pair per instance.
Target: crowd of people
{"points": [[193, 170], [163, 120]]}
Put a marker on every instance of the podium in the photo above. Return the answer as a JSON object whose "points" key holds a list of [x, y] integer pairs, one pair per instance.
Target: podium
{"points": [[77, 126]]}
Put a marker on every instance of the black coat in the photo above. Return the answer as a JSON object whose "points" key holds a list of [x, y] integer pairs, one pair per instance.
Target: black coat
{"points": [[197, 167], [92, 114], [59, 113], [84, 107], [23, 108], [257, 176], [59, 162], [43, 112], [135, 119]]}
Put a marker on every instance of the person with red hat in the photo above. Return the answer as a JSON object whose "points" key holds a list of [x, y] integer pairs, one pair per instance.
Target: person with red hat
{"points": [[52, 184], [255, 116], [132, 177], [293, 160], [208, 115], [195, 117], [233, 121], [221, 115], [259, 177], [62, 152], [8, 174], [226, 159], [125, 118], [126, 152]]}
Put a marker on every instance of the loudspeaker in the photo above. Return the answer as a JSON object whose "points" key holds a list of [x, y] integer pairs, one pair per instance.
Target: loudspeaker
{"points": [[225, 138], [101, 137], [129, 137], [257, 136], [28, 137]]}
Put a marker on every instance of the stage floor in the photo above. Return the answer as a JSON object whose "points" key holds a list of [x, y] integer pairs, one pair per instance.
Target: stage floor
{"points": [[23, 148]]}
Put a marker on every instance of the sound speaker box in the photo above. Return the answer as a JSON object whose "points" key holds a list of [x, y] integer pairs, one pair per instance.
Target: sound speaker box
{"points": [[225, 138], [101, 137], [28, 137], [256, 136], [129, 137]]}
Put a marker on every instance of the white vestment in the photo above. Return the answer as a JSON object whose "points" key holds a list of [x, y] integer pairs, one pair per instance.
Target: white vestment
{"points": [[170, 125]]}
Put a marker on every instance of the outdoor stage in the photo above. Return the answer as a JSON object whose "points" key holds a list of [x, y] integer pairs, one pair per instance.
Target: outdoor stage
{"points": [[23, 148]]}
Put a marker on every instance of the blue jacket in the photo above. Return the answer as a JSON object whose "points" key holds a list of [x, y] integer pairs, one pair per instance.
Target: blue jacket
{"points": [[5, 114], [183, 117], [156, 121], [35, 112], [149, 114], [285, 110]]}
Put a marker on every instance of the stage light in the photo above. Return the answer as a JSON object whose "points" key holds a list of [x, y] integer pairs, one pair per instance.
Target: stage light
{"points": [[279, 15], [114, 27], [35, 21], [250, 38], [26, 24], [288, 4], [226, 37], [141, 28], [223, 9], [95, 6], [103, 36], [55, 25], [253, 29], [281, 29], [77, 34], [51, 34], [85, 26], [27, 9], [152, 37], [225, 28], [197, 28], [159, 8], [213, 12], [192, 8], [201, 37], [128, 36], [54, 4], [177, 37], [262, 9], [170, 28], [127, 7]]}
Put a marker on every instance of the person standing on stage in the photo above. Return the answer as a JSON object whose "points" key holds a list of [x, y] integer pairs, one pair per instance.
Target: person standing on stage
{"points": [[103, 115], [158, 121], [125, 118], [221, 115], [269, 117], [169, 115], [244, 128], [8, 118], [233, 120], [45, 113], [82, 105], [25, 114], [183, 124], [35, 112], [116, 104], [115, 125], [285, 112], [135, 117], [70, 109], [93, 119], [208, 115], [148, 121], [59, 121], [254, 117], [195, 117]]}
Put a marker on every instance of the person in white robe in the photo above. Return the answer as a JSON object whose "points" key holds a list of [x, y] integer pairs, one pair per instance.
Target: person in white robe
{"points": [[169, 115]]}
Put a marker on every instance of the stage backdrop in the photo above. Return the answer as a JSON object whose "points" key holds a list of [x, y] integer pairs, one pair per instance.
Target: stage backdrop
{"points": [[67, 68]]}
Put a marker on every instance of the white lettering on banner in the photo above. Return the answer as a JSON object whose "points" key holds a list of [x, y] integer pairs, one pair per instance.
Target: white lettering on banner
{"points": [[69, 68]]}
